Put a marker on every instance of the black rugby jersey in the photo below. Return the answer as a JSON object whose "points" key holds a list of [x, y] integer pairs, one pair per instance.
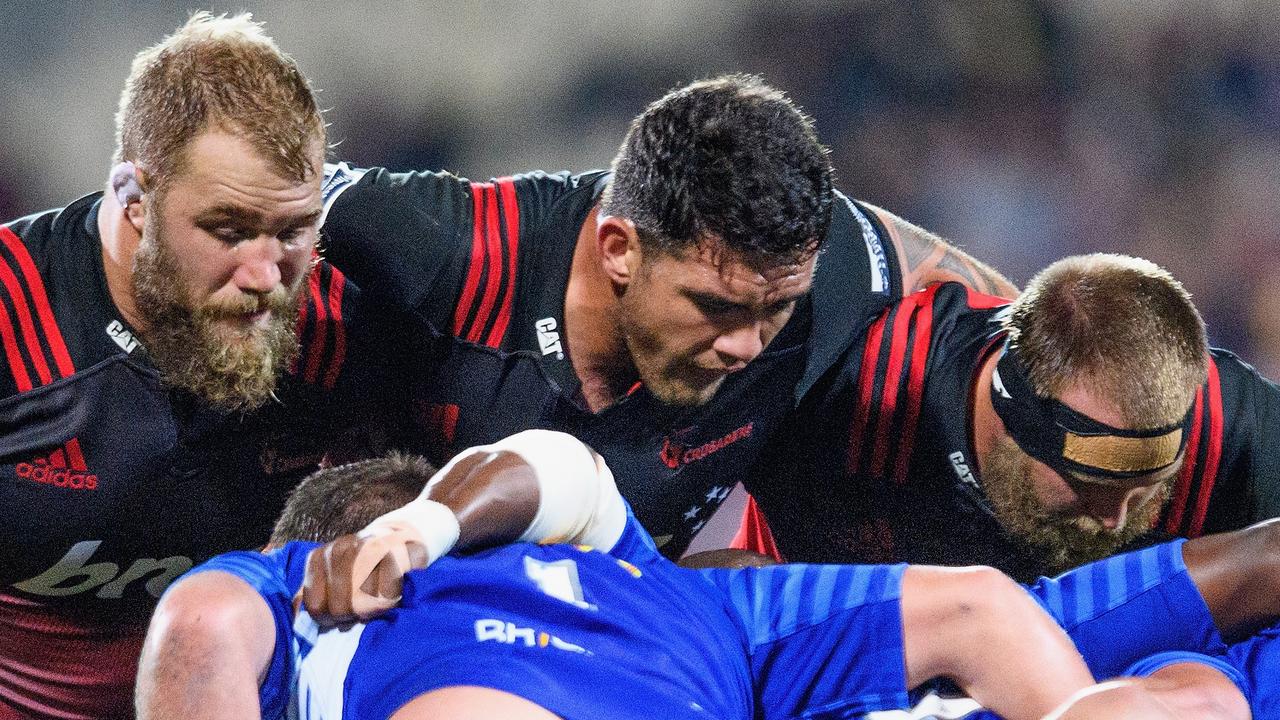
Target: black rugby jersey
{"points": [[112, 483], [485, 266], [877, 464]]}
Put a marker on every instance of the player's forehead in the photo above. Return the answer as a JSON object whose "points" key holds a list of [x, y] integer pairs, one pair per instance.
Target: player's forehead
{"points": [[711, 268], [224, 174]]}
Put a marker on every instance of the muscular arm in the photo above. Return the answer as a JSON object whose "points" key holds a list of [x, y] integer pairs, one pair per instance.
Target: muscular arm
{"points": [[208, 648], [535, 486], [979, 628], [925, 258], [1182, 690]]}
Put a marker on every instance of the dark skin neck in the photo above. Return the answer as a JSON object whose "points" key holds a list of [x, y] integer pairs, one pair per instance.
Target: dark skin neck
{"points": [[594, 337]]}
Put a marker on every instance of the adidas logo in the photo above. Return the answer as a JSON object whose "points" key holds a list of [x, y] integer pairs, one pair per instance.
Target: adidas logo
{"points": [[63, 468]]}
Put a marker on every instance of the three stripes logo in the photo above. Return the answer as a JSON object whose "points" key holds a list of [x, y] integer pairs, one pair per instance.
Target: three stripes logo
{"points": [[64, 468]]}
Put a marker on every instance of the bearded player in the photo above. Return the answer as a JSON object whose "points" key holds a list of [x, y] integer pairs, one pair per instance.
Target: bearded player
{"points": [[1087, 415], [174, 361]]}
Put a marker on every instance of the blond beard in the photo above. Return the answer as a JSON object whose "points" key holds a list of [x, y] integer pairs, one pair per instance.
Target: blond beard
{"points": [[1064, 541], [191, 345]]}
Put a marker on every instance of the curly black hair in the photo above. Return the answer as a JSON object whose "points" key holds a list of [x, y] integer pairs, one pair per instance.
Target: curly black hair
{"points": [[729, 158]]}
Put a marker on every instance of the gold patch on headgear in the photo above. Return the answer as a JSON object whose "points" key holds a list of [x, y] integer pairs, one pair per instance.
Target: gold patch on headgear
{"points": [[1123, 454]]}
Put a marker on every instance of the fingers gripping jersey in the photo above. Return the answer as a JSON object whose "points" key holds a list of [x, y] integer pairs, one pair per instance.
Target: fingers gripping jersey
{"points": [[877, 464], [113, 484], [485, 266]]}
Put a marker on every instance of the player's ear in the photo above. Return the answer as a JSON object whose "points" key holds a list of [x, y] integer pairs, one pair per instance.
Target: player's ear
{"points": [[127, 182], [619, 248]]}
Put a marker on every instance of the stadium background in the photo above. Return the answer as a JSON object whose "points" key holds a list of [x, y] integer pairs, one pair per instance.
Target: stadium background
{"points": [[1022, 131]]}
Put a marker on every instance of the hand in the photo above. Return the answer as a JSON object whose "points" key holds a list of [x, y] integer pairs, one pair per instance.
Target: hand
{"points": [[358, 577]]}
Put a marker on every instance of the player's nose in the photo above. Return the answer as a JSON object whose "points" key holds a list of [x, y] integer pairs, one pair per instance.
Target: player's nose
{"points": [[258, 264], [739, 346], [1111, 506]]}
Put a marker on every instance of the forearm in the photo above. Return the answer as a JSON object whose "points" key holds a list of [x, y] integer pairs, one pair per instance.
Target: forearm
{"points": [[208, 646], [980, 629], [535, 486], [1186, 689]]}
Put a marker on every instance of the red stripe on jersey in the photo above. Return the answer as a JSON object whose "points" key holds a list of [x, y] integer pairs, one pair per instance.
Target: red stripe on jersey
{"points": [[493, 265], [915, 383], [75, 457], [59, 665], [1182, 488], [471, 284], [511, 214], [16, 364], [337, 284], [58, 458], [41, 300], [893, 374], [1214, 454], [866, 381], [754, 533], [319, 332], [25, 322]]}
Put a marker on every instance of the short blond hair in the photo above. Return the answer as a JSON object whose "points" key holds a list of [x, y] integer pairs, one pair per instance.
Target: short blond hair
{"points": [[1121, 324], [222, 72]]}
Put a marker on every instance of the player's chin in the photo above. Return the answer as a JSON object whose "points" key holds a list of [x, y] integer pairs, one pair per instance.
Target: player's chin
{"points": [[684, 394]]}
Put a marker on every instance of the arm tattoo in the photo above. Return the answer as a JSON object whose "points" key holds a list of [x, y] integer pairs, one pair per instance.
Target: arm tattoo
{"points": [[926, 258]]}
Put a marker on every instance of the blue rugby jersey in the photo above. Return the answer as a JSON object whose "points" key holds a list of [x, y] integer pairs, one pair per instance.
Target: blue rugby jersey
{"points": [[1257, 660], [555, 624]]}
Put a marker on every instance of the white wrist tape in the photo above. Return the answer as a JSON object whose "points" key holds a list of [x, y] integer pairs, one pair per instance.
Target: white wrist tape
{"points": [[426, 522], [578, 501]]}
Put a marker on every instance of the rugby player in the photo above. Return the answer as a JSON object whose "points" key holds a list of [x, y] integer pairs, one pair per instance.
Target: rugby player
{"points": [[667, 311], [524, 630], [175, 362], [1087, 415]]}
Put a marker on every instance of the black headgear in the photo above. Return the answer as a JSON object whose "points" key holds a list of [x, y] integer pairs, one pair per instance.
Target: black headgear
{"points": [[1073, 443]]}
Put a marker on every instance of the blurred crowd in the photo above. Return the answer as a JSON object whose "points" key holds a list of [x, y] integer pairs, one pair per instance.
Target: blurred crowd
{"points": [[1020, 130]]}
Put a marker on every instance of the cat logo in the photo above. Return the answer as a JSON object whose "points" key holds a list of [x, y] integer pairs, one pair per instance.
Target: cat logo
{"points": [[548, 338], [121, 336]]}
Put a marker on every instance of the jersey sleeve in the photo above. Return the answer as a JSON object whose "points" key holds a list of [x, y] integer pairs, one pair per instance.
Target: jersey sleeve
{"points": [[1231, 475], [824, 640], [405, 237], [634, 545], [275, 577], [1130, 606], [1257, 660], [437, 245]]}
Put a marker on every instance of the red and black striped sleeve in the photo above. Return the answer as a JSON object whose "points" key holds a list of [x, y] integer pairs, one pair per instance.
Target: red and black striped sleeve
{"points": [[1231, 475], [35, 352], [434, 244], [889, 383]]}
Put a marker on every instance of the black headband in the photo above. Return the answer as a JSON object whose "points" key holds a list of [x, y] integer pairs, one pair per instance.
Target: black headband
{"points": [[1071, 442]]}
